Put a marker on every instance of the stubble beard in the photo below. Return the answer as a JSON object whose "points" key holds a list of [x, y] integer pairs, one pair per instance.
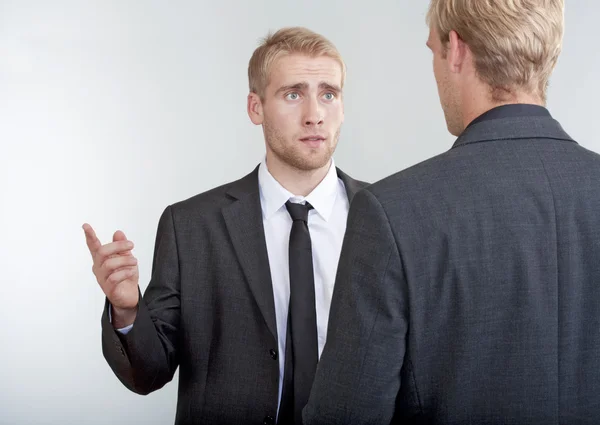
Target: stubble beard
{"points": [[293, 154]]}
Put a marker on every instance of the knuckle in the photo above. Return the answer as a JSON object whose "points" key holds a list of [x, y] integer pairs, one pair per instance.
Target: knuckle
{"points": [[113, 279], [99, 258], [109, 265], [106, 270], [113, 264]]}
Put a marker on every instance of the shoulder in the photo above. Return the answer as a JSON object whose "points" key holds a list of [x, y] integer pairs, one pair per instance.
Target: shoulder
{"points": [[415, 182], [216, 198]]}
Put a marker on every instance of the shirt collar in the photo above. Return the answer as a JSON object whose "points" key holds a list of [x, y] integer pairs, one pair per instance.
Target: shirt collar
{"points": [[273, 196]]}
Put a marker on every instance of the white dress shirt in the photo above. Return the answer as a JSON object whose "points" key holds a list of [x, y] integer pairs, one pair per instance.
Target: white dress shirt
{"points": [[327, 225]]}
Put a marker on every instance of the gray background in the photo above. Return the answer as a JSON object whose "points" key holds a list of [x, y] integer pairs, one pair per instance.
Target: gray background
{"points": [[111, 110]]}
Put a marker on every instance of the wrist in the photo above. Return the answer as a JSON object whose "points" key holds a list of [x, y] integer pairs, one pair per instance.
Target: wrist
{"points": [[123, 317]]}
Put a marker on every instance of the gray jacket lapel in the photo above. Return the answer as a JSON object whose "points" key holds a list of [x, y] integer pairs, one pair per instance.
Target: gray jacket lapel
{"points": [[352, 185], [244, 223]]}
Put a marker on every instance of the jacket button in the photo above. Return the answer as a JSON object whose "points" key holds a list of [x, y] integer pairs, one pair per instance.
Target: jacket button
{"points": [[273, 354], [269, 420]]}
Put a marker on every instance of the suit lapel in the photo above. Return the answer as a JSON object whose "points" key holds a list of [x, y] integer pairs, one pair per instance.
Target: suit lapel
{"points": [[245, 225], [243, 218], [352, 186]]}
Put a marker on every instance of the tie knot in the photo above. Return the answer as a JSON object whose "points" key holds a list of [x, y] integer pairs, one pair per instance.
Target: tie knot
{"points": [[298, 211]]}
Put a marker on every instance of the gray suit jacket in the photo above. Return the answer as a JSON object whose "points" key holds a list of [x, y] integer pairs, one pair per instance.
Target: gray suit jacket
{"points": [[468, 289], [208, 310]]}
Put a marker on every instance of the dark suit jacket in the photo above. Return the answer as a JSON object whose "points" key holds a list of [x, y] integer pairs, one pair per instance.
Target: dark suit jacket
{"points": [[208, 310], [468, 289]]}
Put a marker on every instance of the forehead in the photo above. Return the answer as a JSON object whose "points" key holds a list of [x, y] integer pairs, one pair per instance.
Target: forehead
{"points": [[291, 69]]}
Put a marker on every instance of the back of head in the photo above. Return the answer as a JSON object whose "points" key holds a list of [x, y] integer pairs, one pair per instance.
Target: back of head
{"points": [[515, 43], [287, 41]]}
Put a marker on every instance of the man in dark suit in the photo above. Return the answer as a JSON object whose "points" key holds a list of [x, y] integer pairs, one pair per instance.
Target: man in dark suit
{"points": [[468, 289], [228, 262]]}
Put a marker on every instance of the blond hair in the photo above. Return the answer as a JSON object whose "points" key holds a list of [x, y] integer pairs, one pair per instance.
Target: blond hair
{"points": [[290, 40], [515, 43]]}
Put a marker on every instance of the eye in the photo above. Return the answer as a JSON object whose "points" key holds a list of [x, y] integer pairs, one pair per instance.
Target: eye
{"points": [[292, 96], [329, 96]]}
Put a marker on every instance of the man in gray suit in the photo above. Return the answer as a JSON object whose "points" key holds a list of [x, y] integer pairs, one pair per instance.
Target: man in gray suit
{"points": [[468, 289], [228, 262]]}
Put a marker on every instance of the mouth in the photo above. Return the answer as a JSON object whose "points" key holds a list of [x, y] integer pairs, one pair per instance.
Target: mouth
{"points": [[313, 140]]}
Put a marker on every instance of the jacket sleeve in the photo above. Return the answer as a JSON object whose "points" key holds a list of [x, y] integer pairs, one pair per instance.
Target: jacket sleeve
{"points": [[145, 359], [358, 375]]}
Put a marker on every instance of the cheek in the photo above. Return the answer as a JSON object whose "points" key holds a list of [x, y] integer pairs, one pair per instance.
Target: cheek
{"points": [[288, 120], [335, 113], [441, 80], [282, 116], [436, 71]]}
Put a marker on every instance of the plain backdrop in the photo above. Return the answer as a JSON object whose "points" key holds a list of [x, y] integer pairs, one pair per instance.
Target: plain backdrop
{"points": [[111, 110]]}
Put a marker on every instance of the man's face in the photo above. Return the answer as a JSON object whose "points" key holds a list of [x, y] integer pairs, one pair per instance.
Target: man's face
{"points": [[302, 111], [447, 90]]}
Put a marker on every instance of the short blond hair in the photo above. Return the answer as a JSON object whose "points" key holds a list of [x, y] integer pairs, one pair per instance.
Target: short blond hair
{"points": [[290, 40], [515, 43]]}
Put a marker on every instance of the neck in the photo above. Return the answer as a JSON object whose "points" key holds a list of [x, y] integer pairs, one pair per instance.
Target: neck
{"points": [[475, 105], [298, 182]]}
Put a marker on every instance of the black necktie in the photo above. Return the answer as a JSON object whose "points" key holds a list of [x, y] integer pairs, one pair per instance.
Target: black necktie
{"points": [[302, 352]]}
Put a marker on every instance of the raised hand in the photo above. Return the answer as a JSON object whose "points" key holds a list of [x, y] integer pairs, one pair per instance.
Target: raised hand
{"points": [[117, 273]]}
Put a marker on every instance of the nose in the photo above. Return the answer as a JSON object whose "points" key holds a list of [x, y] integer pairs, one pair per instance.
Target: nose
{"points": [[313, 114]]}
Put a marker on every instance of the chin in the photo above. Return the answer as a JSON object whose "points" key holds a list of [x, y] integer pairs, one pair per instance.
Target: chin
{"points": [[453, 131], [453, 127], [311, 165], [311, 162]]}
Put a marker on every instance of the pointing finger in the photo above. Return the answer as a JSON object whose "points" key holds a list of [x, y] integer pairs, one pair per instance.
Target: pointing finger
{"points": [[91, 239]]}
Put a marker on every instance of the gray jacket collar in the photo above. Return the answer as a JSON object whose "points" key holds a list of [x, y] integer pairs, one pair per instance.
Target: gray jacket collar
{"points": [[513, 128]]}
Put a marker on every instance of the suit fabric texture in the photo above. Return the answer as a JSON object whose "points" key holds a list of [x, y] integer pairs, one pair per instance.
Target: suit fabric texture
{"points": [[468, 288], [208, 310]]}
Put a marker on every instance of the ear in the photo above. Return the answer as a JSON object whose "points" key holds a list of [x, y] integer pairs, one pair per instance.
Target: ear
{"points": [[255, 109], [457, 52]]}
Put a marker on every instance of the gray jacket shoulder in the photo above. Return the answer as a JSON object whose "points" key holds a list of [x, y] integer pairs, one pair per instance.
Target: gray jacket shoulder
{"points": [[213, 200]]}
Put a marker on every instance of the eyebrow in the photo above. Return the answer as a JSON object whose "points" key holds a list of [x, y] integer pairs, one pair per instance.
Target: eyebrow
{"points": [[304, 86], [331, 87]]}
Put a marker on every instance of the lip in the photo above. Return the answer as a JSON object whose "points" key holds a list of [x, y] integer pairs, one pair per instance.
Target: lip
{"points": [[313, 138], [313, 141]]}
